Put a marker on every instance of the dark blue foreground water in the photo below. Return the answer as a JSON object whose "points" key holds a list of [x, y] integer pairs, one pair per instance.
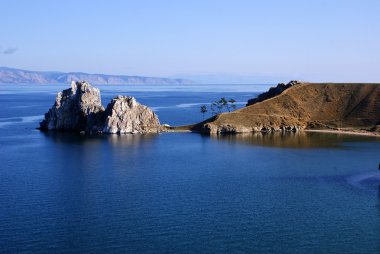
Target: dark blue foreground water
{"points": [[181, 192]]}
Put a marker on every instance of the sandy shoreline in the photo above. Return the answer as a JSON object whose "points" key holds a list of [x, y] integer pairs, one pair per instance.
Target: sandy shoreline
{"points": [[361, 133]]}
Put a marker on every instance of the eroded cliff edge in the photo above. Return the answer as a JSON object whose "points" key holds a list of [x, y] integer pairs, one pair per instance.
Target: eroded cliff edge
{"points": [[79, 109], [304, 106]]}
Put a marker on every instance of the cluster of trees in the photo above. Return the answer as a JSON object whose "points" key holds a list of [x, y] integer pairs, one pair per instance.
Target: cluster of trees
{"points": [[219, 106]]}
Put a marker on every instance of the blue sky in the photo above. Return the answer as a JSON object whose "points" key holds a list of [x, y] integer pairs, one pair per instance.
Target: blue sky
{"points": [[217, 41]]}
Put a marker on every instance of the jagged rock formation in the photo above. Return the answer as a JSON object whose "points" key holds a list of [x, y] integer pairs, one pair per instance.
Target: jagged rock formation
{"points": [[75, 109], [79, 109], [304, 106], [272, 92], [125, 115]]}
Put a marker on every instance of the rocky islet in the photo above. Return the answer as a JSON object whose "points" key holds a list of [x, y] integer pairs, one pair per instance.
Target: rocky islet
{"points": [[79, 109]]}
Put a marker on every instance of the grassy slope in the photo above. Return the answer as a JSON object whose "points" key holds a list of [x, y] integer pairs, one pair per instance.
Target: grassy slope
{"points": [[313, 106]]}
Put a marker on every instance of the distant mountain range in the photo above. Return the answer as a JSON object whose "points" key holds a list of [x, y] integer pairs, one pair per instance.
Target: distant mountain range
{"points": [[17, 76]]}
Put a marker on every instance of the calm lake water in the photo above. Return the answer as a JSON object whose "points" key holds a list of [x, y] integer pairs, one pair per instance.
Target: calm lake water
{"points": [[181, 192]]}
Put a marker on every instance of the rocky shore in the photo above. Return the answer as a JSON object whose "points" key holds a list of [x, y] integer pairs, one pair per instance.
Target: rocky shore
{"points": [[79, 109]]}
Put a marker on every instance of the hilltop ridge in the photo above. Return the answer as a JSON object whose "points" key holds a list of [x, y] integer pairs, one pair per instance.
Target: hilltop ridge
{"points": [[305, 106]]}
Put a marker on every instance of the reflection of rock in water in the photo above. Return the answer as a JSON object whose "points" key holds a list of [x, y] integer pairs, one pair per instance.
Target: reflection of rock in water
{"points": [[71, 138], [129, 140], [116, 140], [290, 139], [365, 181]]}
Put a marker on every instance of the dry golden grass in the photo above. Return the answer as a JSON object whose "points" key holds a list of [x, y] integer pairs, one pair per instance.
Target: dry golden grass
{"points": [[313, 106]]}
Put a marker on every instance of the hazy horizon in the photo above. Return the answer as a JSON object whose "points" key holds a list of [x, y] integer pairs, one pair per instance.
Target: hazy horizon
{"points": [[205, 41]]}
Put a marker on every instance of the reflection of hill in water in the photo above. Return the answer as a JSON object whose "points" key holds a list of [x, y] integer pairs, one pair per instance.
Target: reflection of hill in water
{"points": [[294, 140], [276, 139]]}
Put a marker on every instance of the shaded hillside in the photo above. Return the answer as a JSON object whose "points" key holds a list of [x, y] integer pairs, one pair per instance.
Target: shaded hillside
{"points": [[272, 92], [305, 106], [9, 75]]}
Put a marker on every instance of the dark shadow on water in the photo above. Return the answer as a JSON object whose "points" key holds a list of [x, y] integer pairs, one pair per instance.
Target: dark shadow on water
{"points": [[294, 140], [113, 139]]}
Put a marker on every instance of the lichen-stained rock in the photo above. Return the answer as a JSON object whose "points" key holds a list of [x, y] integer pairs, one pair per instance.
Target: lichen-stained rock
{"points": [[75, 109], [125, 115]]}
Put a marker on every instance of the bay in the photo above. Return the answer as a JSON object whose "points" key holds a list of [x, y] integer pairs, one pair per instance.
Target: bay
{"points": [[181, 192]]}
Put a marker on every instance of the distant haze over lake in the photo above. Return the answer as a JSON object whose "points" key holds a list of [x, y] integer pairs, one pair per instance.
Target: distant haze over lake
{"points": [[11, 75]]}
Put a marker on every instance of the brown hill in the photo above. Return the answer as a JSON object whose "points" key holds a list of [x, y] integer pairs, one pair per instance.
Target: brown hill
{"points": [[305, 106]]}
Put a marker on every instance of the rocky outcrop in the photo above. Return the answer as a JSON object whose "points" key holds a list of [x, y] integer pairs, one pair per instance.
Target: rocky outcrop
{"points": [[75, 109], [124, 115], [272, 92], [79, 109], [236, 128]]}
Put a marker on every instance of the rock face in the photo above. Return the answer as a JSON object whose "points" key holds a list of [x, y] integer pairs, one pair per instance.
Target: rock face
{"points": [[272, 92], [124, 115], [79, 109], [334, 106], [238, 128], [75, 109]]}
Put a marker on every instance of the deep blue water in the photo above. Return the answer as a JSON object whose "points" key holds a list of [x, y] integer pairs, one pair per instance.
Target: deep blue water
{"points": [[181, 192]]}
